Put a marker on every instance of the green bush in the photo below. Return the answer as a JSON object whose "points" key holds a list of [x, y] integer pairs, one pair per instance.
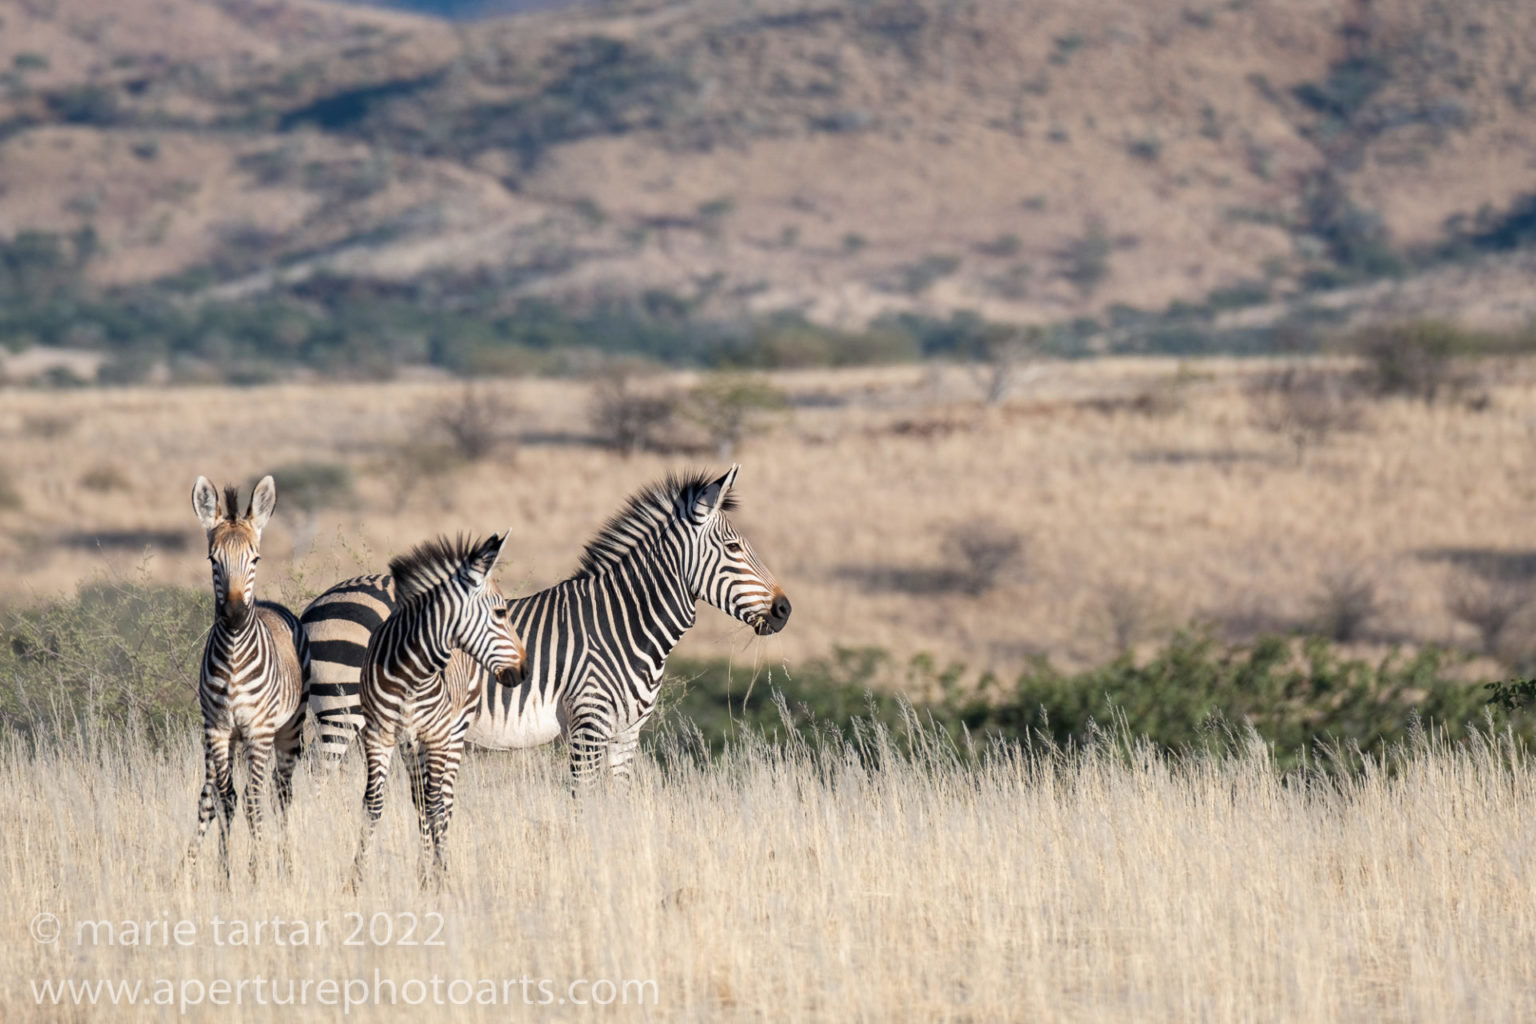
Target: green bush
{"points": [[84, 104], [1356, 238], [124, 652], [116, 652], [1297, 694], [1239, 296], [1086, 259], [922, 275], [1350, 85], [1421, 359]]}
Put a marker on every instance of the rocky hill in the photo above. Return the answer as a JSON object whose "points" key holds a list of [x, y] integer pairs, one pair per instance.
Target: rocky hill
{"points": [[1047, 162]]}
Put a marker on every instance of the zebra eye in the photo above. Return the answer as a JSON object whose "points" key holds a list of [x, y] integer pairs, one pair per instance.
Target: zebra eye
{"points": [[734, 547], [255, 559]]}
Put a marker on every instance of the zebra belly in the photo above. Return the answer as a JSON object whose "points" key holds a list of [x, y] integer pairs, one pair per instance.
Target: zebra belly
{"points": [[507, 721]]}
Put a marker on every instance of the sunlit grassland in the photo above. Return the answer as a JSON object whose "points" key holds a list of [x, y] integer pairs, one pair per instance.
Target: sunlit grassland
{"points": [[893, 876]]}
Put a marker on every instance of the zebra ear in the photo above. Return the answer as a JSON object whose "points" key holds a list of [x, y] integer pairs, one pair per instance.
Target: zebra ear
{"points": [[479, 565], [712, 498], [263, 501], [205, 502]]}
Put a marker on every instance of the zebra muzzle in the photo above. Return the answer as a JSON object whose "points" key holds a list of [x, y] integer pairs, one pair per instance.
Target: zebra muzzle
{"points": [[235, 613], [776, 618]]}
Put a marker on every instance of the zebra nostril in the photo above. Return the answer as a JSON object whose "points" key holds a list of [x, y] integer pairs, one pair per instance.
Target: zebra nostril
{"points": [[780, 609]]}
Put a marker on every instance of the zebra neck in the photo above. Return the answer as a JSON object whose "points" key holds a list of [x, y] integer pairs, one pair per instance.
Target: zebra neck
{"points": [[228, 642], [663, 609], [423, 641]]}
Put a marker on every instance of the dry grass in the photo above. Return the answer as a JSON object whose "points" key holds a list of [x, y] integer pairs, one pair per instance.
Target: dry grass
{"points": [[802, 887], [1205, 512]]}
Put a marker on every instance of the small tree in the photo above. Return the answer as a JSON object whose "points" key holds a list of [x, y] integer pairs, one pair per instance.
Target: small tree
{"points": [[1488, 606], [626, 419], [983, 551], [1306, 408], [471, 423], [727, 406], [1345, 602], [1002, 357]]}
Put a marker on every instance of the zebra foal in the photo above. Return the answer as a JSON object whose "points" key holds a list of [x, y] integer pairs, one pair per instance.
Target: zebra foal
{"points": [[448, 610], [255, 665]]}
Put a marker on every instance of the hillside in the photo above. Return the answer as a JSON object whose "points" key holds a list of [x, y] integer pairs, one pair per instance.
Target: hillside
{"points": [[1046, 163]]}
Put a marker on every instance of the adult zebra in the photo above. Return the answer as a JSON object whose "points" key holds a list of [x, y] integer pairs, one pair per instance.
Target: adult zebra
{"points": [[255, 665], [597, 642]]}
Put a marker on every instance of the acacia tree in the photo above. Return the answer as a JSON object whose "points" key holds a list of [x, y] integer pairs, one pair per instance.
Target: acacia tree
{"points": [[1003, 357], [727, 406]]}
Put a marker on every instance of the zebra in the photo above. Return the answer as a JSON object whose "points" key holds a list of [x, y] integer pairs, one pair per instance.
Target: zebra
{"points": [[446, 607], [255, 666], [338, 624], [598, 641]]}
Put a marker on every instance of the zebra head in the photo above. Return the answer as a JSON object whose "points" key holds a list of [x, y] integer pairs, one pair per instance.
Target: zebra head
{"points": [[721, 567], [480, 625], [234, 544]]}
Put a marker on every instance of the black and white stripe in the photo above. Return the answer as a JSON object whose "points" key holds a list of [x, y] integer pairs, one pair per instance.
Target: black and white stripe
{"points": [[338, 624], [255, 664], [447, 610], [598, 642]]}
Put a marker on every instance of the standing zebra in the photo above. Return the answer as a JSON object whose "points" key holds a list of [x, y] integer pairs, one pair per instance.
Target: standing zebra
{"points": [[446, 601], [255, 666], [597, 642]]}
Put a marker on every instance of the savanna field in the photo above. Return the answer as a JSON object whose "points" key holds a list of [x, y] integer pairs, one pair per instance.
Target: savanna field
{"points": [[1136, 400], [1197, 735]]}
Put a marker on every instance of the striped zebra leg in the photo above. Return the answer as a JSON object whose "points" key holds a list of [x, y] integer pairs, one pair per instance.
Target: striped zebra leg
{"points": [[377, 751], [442, 773], [258, 756], [218, 796], [590, 732], [454, 760], [621, 749], [415, 757], [287, 748]]}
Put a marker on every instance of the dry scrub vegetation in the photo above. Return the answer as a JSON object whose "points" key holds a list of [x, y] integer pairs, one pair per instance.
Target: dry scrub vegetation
{"points": [[1115, 500], [834, 882]]}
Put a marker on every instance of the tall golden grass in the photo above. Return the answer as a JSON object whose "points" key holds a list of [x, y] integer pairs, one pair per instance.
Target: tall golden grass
{"points": [[813, 882]]}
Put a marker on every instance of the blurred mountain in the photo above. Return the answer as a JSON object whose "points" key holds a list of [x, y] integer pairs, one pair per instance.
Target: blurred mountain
{"points": [[1031, 162], [467, 8]]}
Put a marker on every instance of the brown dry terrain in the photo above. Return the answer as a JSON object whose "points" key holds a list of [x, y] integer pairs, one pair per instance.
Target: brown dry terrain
{"points": [[839, 160], [1146, 494]]}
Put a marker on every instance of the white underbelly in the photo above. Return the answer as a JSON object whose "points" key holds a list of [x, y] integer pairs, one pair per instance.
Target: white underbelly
{"points": [[532, 725]]}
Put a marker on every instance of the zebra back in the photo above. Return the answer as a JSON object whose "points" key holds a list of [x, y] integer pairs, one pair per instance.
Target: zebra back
{"points": [[337, 625]]}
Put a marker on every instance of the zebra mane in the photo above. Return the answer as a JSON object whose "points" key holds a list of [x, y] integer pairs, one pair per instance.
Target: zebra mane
{"points": [[430, 564], [648, 511], [231, 503]]}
